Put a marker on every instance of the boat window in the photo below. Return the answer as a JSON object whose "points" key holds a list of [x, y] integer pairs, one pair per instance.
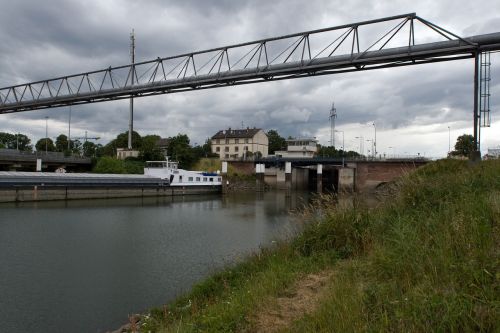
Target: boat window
{"points": [[180, 178], [204, 179], [219, 179], [190, 179], [211, 179], [198, 179]]}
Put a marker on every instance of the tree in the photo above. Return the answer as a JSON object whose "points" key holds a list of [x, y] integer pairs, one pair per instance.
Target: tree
{"points": [[89, 149], [121, 141], [149, 150], [41, 146], [464, 145], [62, 142], [108, 164], [276, 141], [76, 146], [180, 150], [15, 141], [23, 142]]}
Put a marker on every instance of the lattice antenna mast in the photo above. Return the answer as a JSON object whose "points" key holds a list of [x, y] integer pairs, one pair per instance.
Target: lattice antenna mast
{"points": [[333, 116], [131, 117]]}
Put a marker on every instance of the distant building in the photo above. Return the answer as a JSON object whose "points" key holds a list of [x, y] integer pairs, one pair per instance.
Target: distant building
{"points": [[493, 153], [240, 144], [123, 153], [299, 148]]}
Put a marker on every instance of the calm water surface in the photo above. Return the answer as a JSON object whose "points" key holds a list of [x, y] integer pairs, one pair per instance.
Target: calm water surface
{"points": [[83, 266]]}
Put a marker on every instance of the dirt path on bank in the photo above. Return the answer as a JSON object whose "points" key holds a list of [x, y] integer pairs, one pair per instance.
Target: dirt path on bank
{"points": [[299, 300]]}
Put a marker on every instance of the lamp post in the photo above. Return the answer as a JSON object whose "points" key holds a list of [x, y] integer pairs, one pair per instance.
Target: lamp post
{"points": [[69, 129], [393, 154], [343, 147], [375, 141], [361, 150], [449, 140], [373, 149], [46, 133]]}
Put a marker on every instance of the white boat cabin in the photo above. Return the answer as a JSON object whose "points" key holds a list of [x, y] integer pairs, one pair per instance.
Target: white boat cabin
{"points": [[169, 170]]}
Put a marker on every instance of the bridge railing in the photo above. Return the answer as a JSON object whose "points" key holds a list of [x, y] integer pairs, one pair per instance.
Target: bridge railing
{"points": [[19, 155]]}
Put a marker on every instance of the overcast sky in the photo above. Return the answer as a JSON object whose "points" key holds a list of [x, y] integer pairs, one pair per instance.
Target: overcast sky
{"points": [[412, 107]]}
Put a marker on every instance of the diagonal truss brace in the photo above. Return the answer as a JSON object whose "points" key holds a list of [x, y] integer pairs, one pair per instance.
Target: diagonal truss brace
{"points": [[285, 57]]}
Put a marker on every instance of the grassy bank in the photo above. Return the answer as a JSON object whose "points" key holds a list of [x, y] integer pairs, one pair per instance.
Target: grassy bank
{"points": [[426, 259]]}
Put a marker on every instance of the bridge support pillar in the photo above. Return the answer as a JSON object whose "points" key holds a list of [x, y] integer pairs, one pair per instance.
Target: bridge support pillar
{"points": [[319, 173], [225, 181], [260, 170], [288, 177]]}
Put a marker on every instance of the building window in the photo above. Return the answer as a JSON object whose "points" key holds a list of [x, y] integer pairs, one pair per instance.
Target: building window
{"points": [[246, 140], [227, 141], [227, 155], [217, 141], [236, 140], [245, 148], [226, 149], [236, 149], [217, 149]]}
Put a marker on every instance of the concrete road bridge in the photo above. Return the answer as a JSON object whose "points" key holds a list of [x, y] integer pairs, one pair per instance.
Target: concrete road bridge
{"points": [[12, 159], [332, 174]]}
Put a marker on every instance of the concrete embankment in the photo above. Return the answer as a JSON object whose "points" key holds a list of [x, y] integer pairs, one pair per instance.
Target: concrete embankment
{"points": [[61, 192]]}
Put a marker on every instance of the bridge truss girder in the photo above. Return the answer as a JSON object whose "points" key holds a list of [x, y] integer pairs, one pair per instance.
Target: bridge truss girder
{"points": [[262, 60]]}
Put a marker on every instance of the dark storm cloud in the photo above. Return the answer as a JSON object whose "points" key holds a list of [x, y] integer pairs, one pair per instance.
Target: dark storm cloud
{"points": [[46, 39]]}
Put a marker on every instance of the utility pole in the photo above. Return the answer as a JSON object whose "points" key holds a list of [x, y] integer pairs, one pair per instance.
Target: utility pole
{"points": [[343, 147], [46, 133], [69, 129], [375, 141], [333, 116], [132, 72], [449, 140]]}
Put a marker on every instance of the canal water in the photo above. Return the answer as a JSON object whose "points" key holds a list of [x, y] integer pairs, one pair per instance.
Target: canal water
{"points": [[83, 266]]}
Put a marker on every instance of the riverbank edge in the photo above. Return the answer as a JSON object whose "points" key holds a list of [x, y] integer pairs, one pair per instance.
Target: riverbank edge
{"points": [[52, 193], [426, 259]]}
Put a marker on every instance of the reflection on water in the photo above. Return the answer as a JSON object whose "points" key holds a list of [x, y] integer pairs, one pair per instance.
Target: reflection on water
{"points": [[83, 266]]}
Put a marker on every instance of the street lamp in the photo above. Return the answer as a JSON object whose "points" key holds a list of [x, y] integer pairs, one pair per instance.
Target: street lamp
{"points": [[449, 140], [393, 155], [361, 148], [373, 149], [343, 147], [69, 129], [46, 133]]}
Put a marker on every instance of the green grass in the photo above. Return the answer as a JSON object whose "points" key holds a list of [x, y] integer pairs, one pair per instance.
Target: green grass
{"points": [[426, 259]]}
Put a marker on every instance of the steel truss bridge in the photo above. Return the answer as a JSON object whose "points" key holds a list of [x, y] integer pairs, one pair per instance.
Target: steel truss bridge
{"points": [[382, 43]]}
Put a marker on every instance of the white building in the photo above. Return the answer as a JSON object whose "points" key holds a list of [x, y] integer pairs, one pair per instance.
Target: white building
{"points": [[299, 148], [493, 153], [240, 144]]}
